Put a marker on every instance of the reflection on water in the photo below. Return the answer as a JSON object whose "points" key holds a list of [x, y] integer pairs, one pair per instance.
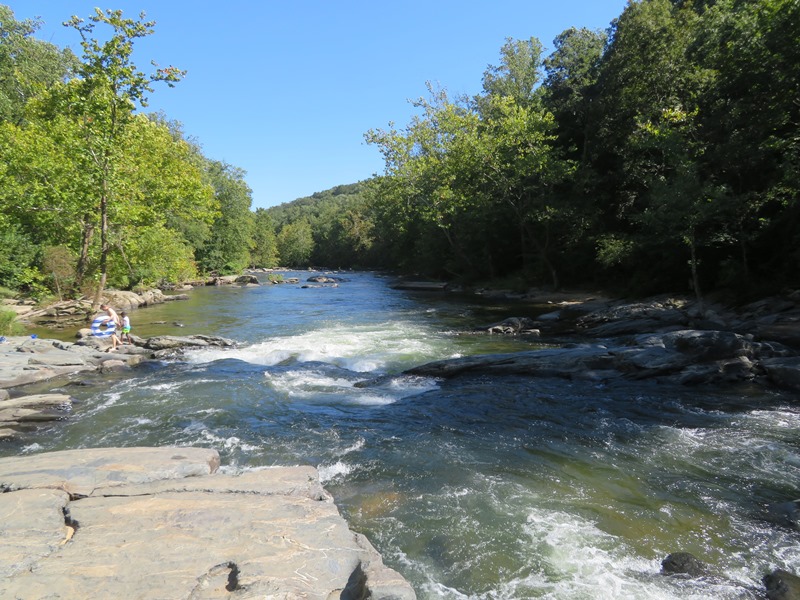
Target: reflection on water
{"points": [[478, 488]]}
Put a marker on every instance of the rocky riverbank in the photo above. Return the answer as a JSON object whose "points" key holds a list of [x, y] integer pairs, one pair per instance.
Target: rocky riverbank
{"points": [[155, 523], [26, 360], [670, 340]]}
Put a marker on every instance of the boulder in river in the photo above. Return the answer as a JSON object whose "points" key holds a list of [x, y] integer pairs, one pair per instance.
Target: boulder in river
{"points": [[782, 585], [683, 563]]}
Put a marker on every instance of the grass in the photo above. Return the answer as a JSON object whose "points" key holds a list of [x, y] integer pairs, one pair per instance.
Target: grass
{"points": [[9, 324]]}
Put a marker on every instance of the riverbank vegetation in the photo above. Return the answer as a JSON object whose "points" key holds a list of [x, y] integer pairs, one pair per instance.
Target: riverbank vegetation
{"points": [[660, 155]]}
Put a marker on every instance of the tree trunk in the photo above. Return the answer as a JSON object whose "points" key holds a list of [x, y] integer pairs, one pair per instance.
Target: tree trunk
{"points": [[695, 274], [83, 259], [103, 249], [745, 265]]}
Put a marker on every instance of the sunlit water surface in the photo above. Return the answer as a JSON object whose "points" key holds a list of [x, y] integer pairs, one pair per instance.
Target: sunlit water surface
{"points": [[496, 488]]}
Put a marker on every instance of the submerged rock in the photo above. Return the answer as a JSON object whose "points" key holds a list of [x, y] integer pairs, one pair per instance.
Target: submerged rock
{"points": [[683, 563], [782, 585]]}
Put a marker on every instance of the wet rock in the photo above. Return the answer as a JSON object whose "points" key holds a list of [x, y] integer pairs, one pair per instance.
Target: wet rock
{"points": [[782, 585], [786, 514], [783, 372], [550, 316], [683, 563], [421, 286], [512, 326], [24, 360], [247, 280], [708, 345], [35, 408], [174, 297], [110, 366], [170, 342], [578, 362]]}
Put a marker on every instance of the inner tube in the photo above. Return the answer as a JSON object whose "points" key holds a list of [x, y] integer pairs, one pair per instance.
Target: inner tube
{"points": [[103, 328]]}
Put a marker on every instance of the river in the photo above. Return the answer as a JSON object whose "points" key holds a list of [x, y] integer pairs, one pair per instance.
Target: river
{"points": [[476, 488]]}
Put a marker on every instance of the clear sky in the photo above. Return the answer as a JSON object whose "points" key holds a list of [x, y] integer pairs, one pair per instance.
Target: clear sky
{"points": [[286, 89]]}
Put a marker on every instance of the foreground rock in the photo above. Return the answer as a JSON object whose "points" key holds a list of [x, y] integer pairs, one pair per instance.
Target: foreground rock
{"points": [[157, 523]]}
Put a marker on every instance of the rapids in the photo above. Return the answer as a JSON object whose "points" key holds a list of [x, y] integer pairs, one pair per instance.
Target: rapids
{"points": [[474, 488]]}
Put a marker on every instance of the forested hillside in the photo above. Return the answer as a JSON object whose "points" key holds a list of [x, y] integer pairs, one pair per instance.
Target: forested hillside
{"points": [[660, 155]]}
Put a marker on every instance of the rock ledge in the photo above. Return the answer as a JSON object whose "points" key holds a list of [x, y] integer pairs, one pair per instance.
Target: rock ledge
{"points": [[156, 523]]}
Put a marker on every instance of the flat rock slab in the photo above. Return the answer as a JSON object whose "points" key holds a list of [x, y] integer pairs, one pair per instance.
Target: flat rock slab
{"points": [[158, 523], [82, 472]]}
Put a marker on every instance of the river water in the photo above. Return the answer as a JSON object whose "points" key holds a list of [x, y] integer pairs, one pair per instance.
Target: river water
{"points": [[480, 488]]}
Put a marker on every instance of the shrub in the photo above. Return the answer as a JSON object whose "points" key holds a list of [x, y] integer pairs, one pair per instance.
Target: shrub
{"points": [[9, 324]]}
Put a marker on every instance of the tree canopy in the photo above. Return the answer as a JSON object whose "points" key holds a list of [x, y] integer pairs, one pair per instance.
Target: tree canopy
{"points": [[659, 155]]}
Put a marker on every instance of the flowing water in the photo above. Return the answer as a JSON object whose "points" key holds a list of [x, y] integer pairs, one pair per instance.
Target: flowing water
{"points": [[482, 487]]}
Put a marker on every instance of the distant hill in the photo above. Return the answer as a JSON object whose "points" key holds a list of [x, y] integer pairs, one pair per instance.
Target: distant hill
{"points": [[312, 207]]}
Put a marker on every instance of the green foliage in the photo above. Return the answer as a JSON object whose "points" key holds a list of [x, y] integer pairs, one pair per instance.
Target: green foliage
{"points": [[59, 265], [9, 324], [342, 225], [613, 250], [101, 101], [296, 244], [18, 256], [82, 163], [662, 152], [157, 255], [26, 64], [265, 244], [227, 250]]}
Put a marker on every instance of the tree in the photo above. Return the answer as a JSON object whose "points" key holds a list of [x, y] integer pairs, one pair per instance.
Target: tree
{"points": [[59, 263], [227, 249], [295, 244], [27, 65], [570, 87], [265, 244], [517, 76], [647, 150], [428, 183], [102, 100], [751, 125]]}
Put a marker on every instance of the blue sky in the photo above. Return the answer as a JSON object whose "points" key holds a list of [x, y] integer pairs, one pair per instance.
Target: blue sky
{"points": [[286, 89]]}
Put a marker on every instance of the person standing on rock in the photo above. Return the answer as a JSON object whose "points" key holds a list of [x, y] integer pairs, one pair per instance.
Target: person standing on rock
{"points": [[126, 328], [112, 317]]}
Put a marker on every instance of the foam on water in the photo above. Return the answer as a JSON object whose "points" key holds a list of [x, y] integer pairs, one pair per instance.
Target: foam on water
{"points": [[324, 383], [110, 399], [338, 469], [228, 443], [358, 445], [359, 348], [581, 561]]}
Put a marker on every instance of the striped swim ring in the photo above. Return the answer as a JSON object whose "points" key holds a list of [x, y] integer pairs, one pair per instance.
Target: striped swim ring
{"points": [[99, 331]]}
